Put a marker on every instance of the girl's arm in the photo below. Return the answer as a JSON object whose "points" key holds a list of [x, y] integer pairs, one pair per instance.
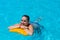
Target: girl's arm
{"points": [[14, 26], [30, 30]]}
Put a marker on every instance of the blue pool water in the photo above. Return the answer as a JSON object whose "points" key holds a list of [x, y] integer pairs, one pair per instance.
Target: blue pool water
{"points": [[48, 10]]}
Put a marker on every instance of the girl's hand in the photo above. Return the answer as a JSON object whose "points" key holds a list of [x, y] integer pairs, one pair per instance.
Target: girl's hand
{"points": [[11, 27], [24, 27]]}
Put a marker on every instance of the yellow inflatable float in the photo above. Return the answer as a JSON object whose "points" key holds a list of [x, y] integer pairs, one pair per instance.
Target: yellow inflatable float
{"points": [[19, 30]]}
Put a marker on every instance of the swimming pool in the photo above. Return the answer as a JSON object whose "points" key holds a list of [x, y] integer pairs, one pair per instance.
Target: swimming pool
{"points": [[12, 10]]}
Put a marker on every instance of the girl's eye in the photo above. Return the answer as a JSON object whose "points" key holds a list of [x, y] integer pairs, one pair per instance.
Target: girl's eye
{"points": [[23, 20]]}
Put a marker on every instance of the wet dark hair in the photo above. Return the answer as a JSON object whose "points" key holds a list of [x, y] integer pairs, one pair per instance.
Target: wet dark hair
{"points": [[28, 18]]}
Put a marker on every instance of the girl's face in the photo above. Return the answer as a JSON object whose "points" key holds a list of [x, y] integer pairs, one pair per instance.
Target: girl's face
{"points": [[24, 21]]}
